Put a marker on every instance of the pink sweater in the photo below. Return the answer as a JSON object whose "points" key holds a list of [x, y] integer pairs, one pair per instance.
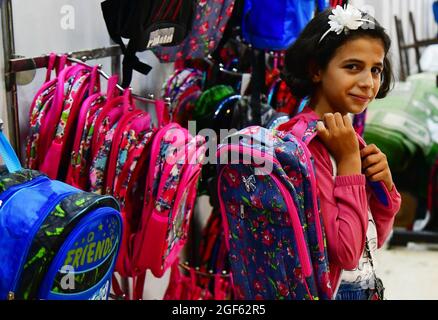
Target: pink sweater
{"points": [[344, 205]]}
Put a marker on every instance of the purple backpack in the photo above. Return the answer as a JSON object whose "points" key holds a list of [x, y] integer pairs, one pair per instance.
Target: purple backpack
{"points": [[271, 217]]}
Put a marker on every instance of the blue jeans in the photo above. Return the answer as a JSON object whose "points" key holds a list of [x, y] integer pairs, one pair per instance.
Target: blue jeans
{"points": [[352, 291]]}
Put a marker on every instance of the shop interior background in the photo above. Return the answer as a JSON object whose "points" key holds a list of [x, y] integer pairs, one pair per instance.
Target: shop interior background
{"points": [[45, 26]]}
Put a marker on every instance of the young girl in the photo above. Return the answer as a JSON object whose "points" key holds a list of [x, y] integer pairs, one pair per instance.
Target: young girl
{"points": [[340, 62]]}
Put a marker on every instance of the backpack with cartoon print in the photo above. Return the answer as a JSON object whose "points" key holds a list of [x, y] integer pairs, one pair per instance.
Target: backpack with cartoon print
{"points": [[74, 84]]}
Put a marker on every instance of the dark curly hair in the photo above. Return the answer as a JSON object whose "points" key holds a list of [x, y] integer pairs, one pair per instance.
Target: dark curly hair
{"points": [[307, 49]]}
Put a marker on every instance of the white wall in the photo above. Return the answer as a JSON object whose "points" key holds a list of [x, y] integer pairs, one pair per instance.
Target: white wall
{"points": [[385, 11]]}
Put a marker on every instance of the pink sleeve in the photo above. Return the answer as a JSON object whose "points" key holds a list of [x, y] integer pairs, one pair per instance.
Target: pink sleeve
{"points": [[344, 209], [384, 215]]}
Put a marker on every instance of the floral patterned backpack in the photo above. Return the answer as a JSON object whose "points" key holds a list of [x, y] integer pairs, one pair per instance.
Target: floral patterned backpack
{"points": [[211, 17], [273, 227]]}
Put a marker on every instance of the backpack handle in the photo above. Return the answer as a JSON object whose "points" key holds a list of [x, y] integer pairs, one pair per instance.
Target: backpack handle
{"points": [[61, 64], [54, 64], [94, 81], [128, 102], [162, 113], [50, 65], [7, 153], [112, 91]]}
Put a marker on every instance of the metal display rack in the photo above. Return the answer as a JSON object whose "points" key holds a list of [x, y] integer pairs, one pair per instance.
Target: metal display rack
{"points": [[15, 63]]}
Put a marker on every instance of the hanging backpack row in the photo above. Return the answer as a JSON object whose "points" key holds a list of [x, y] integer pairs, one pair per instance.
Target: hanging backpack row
{"points": [[103, 143]]}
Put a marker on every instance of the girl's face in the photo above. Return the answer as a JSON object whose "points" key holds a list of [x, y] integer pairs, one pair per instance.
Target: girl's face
{"points": [[351, 79]]}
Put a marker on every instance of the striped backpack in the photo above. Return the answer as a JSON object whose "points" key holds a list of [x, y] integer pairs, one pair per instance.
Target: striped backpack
{"points": [[273, 227], [56, 242]]}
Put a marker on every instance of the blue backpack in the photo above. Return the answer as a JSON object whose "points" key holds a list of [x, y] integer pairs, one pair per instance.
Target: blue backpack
{"points": [[272, 223], [274, 25], [56, 241]]}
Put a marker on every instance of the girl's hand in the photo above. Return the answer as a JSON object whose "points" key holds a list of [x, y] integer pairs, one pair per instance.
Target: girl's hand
{"points": [[338, 135], [375, 165]]}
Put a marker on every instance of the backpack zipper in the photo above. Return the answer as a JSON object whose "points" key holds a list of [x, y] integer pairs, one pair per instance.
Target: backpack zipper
{"points": [[314, 194]]}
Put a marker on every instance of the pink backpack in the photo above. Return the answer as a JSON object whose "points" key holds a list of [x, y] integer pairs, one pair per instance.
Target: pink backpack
{"points": [[126, 178], [80, 162], [74, 83], [105, 127], [129, 190], [39, 110], [170, 194], [157, 197]]}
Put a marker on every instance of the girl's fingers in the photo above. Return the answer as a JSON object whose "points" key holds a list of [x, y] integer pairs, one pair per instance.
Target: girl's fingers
{"points": [[329, 121], [347, 121], [372, 159], [369, 149], [375, 169], [322, 130], [338, 120], [377, 177]]}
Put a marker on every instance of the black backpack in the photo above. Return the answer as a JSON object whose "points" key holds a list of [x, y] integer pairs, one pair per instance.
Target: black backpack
{"points": [[146, 24]]}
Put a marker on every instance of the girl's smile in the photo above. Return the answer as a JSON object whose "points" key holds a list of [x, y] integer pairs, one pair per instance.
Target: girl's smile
{"points": [[351, 79]]}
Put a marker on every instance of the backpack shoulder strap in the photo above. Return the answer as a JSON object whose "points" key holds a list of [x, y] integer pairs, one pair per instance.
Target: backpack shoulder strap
{"points": [[131, 62], [306, 131], [7, 153], [111, 11]]}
